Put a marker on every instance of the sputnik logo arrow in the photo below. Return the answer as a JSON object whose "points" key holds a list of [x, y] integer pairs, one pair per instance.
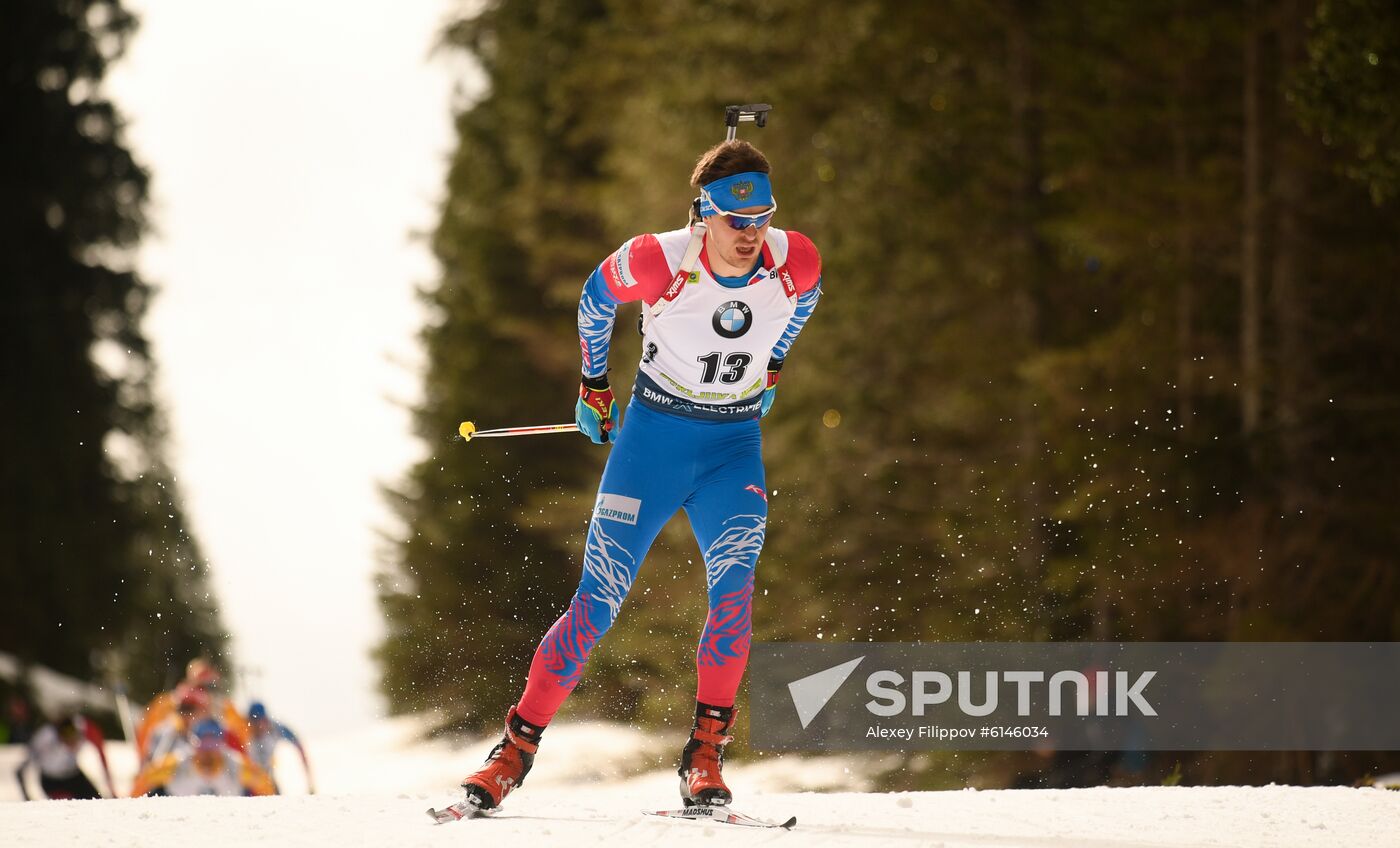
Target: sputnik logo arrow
{"points": [[810, 694]]}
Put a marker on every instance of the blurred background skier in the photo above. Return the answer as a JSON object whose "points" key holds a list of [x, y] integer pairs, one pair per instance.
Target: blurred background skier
{"points": [[173, 732], [202, 675], [208, 766], [53, 751], [264, 732]]}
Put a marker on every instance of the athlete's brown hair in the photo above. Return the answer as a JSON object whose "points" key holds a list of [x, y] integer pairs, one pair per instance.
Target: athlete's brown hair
{"points": [[726, 159]]}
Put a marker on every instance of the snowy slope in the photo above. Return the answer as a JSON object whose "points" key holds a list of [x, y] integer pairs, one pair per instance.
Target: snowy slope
{"points": [[607, 815], [592, 780]]}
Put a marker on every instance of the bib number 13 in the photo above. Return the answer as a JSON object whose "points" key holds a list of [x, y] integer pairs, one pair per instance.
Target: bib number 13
{"points": [[735, 364]]}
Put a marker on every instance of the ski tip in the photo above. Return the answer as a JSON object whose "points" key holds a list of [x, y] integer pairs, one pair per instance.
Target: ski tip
{"points": [[446, 814], [789, 824], [465, 809]]}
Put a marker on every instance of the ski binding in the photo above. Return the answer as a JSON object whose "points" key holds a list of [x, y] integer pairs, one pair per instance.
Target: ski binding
{"points": [[465, 809]]}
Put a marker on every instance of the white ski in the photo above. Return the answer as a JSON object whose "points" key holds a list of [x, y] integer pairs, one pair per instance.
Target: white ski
{"points": [[464, 809], [720, 815]]}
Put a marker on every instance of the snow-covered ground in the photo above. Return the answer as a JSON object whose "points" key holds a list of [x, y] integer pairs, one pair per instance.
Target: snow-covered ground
{"points": [[607, 814], [592, 781]]}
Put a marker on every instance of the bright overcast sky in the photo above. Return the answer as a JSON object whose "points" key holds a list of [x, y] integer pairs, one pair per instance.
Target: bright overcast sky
{"points": [[295, 149]]}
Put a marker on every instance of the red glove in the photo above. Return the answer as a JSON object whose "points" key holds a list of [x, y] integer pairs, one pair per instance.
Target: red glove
{"points": [[596, 411]]}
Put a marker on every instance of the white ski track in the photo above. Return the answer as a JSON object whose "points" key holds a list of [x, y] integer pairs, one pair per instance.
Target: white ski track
{"points": [[587, 814], [380, 778], [720, 815]]}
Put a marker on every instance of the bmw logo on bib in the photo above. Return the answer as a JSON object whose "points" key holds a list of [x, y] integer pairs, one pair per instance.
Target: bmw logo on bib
{"points": [[733, 319]]}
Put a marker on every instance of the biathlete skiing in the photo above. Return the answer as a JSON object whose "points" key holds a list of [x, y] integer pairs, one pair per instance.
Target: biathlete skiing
{"points": [[723, 300]]}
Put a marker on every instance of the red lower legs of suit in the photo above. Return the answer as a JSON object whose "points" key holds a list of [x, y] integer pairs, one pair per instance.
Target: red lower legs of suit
{"points": [[558, 663]]}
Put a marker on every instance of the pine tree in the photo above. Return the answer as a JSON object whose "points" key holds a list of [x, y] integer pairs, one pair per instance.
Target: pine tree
{"points": [[97, 569]]}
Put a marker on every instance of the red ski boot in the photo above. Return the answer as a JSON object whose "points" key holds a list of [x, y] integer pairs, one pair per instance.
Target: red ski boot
{"points": [[702, 761], [506, 766]]}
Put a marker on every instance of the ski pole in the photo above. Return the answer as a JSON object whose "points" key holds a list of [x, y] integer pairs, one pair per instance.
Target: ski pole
{"points": [[469, 431], [124, 713]]}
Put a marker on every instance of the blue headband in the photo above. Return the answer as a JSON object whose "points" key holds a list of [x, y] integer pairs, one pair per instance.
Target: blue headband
{"points": [[737, 191]]}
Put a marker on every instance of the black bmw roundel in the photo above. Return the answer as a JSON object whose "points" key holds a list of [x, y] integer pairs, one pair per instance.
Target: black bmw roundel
{"points": [[733, 319]]}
